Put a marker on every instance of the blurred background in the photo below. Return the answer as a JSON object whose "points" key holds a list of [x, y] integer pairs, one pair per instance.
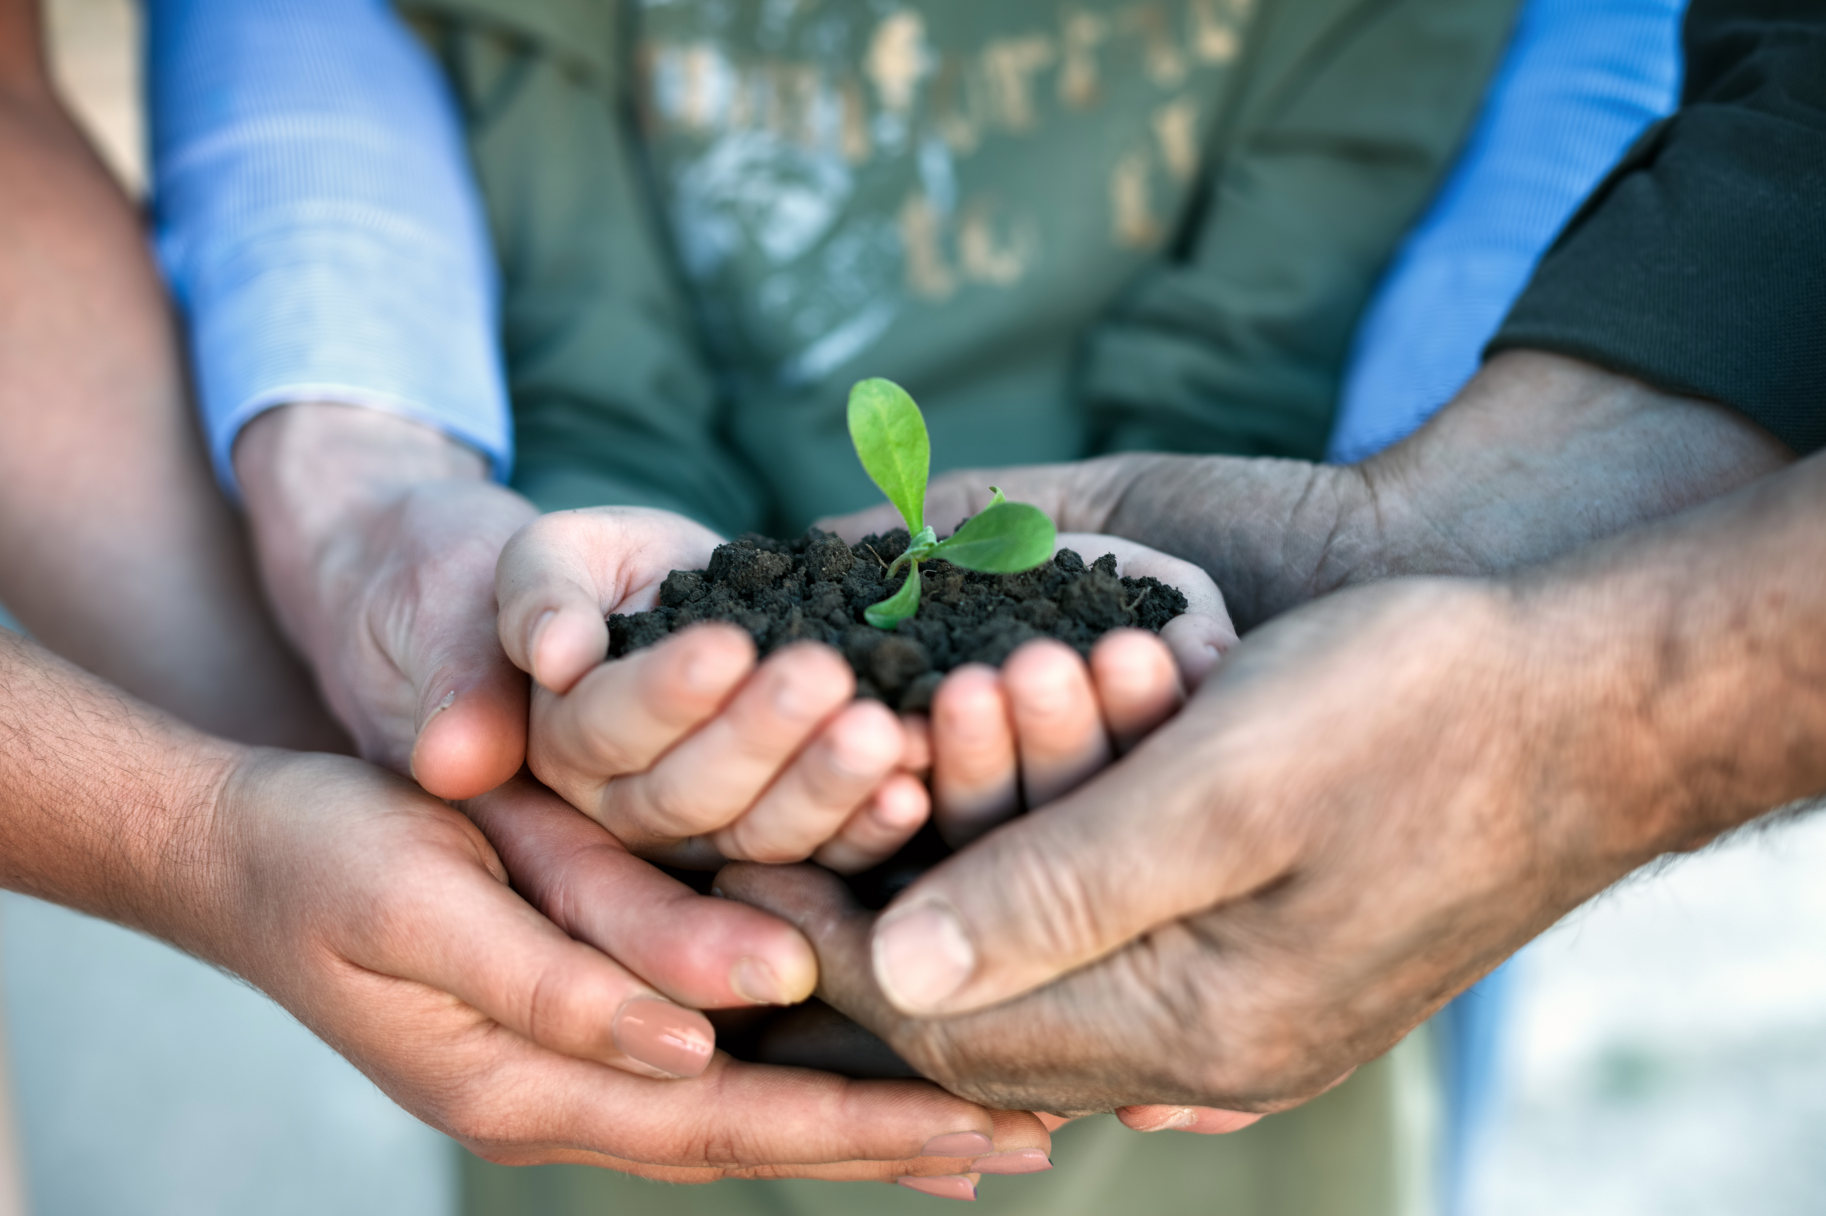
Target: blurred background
{"points": [[1665, 1051]]}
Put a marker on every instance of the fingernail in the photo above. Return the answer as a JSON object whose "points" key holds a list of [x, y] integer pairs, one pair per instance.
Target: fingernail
{"points": [[1020, 1161], [922, 956], [1185, 1116], [532, 634], [665, 1036], [945, 1186], [957, 1144], [755, 982]]}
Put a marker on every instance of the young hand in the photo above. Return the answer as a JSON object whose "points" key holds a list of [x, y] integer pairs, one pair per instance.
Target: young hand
{"points": [[690, 747], [691, 753]]}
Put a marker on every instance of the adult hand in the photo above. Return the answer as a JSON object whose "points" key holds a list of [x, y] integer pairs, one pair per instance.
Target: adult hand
{"points": [[1367, 807], [384, 920], [377, 539]]}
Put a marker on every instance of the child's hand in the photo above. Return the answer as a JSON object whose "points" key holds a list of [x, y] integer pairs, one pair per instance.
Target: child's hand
{"points": [[689, 751], [694, 755], [1047, 720]]}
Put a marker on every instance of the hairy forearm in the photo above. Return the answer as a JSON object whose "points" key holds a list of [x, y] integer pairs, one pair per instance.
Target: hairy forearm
{"points": [[1679, 671], [115, 548], [1537, 456], [106, 803]]}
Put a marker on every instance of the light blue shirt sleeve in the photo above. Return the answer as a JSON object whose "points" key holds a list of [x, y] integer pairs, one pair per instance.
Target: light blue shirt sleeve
{"points": [[1580, 81], [317, 219]]}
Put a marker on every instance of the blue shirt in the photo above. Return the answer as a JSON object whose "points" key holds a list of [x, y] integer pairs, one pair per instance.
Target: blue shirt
{"points": [[317, 219], [1580, 81]]}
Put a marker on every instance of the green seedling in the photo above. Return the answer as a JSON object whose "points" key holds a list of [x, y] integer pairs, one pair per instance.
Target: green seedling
{"points": [[890, 437]]}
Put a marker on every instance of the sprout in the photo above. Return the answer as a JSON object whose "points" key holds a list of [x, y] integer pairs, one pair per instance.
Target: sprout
{"points": [[890, 437]]}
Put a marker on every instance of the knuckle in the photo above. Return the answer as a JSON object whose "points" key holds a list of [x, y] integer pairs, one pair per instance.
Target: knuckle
{"points": [[1051, 899]]}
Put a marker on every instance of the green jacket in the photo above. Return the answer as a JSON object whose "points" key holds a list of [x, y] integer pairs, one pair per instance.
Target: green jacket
{"points": [[1067, 231]]}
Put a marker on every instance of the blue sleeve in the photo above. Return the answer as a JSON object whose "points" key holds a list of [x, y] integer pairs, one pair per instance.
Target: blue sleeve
{"points": [[1580, 81], [317, 218]]}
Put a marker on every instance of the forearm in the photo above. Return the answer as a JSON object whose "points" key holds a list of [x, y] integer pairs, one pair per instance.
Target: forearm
{"points": [[1537, 456], [1679, 672], [106, 804], [114, 548]]}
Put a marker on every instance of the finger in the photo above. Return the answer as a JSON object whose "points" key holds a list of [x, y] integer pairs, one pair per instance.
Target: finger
{"points": [[718, 772], [823, 789], [975, 773], [1197, 644], [891, 817], [561, 574], [735, 1119], [1057, 725], [1202, 1120], [624, 715], [470, 732], [1200, 635], [918, 733], [1131, 850], [705, 953], [1137, 684], [472, 937]]}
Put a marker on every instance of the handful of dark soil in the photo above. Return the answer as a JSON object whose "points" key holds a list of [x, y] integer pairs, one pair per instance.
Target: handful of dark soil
{"points": [[816, 587]]}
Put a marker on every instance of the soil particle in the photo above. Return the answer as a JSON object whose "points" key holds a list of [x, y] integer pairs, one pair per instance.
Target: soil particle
{"points": [[815, 588]]}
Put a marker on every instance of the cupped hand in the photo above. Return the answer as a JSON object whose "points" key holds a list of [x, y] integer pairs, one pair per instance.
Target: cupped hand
{"points": [[1344, 829], [690, 751], [384, 920], [1046, 721]]}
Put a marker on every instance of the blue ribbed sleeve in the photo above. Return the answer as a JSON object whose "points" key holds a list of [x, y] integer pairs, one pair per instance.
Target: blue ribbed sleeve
{"points": [[317, 218], [1581, 80]]}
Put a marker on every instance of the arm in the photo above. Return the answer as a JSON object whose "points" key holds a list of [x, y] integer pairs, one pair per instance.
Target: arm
{"points": [[319, 226], [113, 550], [1537, 455], [1578, 84], [384, 921]]}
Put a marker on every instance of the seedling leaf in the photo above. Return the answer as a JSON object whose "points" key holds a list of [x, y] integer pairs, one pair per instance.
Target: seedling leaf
{"points": [[890, 438], [1003, 538], [897, 607]]}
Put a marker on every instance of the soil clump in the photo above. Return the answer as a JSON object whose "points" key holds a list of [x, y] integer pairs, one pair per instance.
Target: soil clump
{"points": [[815, 588]]}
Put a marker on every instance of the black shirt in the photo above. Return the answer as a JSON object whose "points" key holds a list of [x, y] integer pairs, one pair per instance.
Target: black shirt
{"points": [[1699, 265]]}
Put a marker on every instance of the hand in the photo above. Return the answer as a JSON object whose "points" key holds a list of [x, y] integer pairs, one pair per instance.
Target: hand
{"points": [[1045, 722], [383, 919], [690, 754], [377, 539], [1352, 822], [690, 751]]}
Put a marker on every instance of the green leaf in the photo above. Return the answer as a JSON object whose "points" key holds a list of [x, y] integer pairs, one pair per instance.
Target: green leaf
{"points": [[890, 438], [897, 607], [1002, 538]]}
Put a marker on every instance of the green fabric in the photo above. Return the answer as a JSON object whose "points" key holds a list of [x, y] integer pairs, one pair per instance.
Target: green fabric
{"points": [[1112, 226], [1361, 1150]]}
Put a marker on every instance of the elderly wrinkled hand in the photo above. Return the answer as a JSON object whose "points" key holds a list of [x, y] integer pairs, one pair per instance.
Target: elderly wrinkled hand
{"points": [[1340, 832]]}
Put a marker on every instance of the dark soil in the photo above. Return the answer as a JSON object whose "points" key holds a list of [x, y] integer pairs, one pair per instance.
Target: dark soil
{"points": [[815, 588]]}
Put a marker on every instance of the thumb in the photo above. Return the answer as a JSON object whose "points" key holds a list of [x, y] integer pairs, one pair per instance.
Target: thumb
{"points": [[560, 575], [469, 729], [1146, 842]]}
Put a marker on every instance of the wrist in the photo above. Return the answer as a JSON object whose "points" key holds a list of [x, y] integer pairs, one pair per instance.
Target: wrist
{"points": [[310, 469], [324, 482]]}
